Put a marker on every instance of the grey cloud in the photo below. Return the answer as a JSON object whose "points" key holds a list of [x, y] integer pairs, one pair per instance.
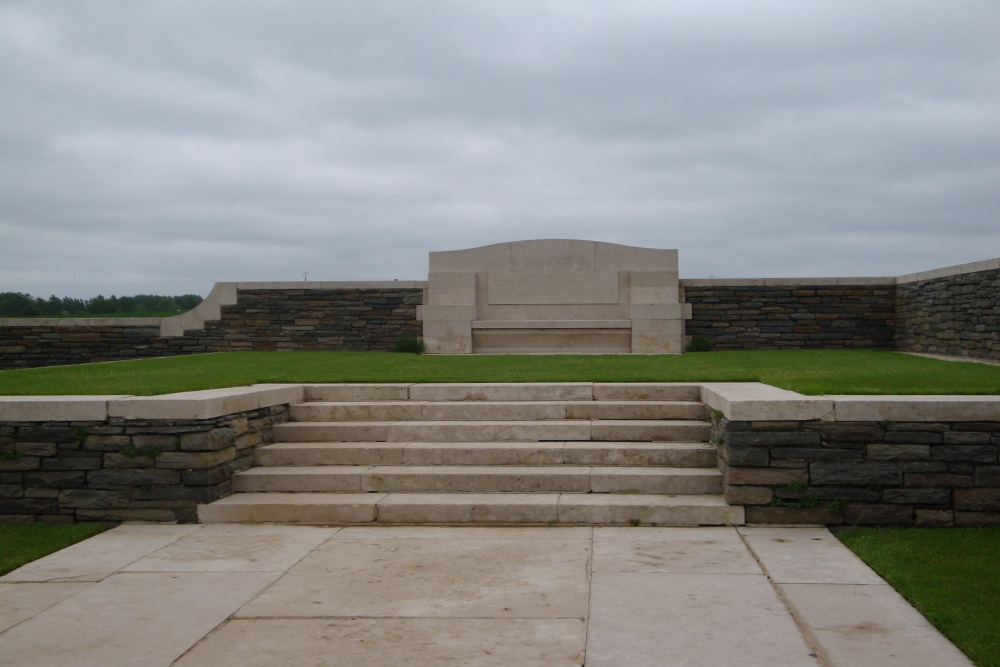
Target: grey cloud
{"points": [[179, 143]]}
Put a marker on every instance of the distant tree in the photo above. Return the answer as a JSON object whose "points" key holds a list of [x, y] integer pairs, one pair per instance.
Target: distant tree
{"points": [[17, 304]]}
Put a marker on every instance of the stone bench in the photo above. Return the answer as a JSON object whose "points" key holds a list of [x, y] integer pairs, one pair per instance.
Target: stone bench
{"points": [[553, 296]]}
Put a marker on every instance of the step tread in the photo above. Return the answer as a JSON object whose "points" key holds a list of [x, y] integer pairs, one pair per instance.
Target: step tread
{"points": [[503, 422], [395, 497], [591, 444], [475, 470]]}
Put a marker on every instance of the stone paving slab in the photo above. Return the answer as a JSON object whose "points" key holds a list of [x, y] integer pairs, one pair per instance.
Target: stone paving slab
{"points": [[703, 550], [433, 578], [697, 620], [869, 626], [236, 548], [410, 642], [19, 602], [101, 555], [131, 619], [421, 595], [806, 556]]}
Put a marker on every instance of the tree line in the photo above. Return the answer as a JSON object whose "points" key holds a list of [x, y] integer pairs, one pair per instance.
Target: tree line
{"points": [[17, 304]]}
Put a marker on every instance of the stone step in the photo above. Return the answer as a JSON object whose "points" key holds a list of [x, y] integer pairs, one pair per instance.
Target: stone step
{"points": [[472, 508], [352, 411], [480, 479], [677, 454], [528, 391], [482, 431]]}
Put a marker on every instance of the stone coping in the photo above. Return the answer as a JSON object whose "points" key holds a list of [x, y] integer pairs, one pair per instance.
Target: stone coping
{"points": [[784, 282], [958, 269], [552, 324], [737, 401]]}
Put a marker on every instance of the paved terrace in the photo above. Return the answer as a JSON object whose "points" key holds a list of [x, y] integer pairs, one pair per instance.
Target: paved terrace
{"points": [[433, 596]]}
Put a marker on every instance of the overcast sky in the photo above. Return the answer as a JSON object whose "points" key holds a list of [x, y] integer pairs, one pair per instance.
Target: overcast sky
{"points": [[160, 146]]}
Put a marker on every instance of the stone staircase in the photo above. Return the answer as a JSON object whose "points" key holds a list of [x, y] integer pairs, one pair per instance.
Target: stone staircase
{"points": [[486, 454]]}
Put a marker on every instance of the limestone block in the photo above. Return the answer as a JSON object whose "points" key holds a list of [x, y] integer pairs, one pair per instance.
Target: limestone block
{"points": [[452, 280], [486, 258], [552, 256], [654, 294], [577, 287], [449, 313], [917, 408], [657, 336], [54, 408], [448, 337], [450, 297], [755, 401], [614, 257], [657, 311], [652, 279]]}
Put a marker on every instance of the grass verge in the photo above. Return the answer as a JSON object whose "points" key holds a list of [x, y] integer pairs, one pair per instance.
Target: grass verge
{"points": [[804, 371], [951, 575], [22, 543]]}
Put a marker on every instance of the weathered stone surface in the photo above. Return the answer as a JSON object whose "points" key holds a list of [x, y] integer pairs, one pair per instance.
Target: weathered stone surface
{"points": [[193, 460], [980, 500], [748, 495], [132, 477], [106, 443], [965, 453], [987, 476], [771, 439], [764, 476], [219, 438], [917, 496], [55, 480], [899, 452], [745, 456], [817, 454], [93, 499], [933, 518], [838, 432], [857, 474]]}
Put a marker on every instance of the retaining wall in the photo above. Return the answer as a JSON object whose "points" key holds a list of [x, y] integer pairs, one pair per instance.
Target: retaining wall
{"points": [[101, 458], [236, 316], [859, 460], [774, 314], [953, 311]]}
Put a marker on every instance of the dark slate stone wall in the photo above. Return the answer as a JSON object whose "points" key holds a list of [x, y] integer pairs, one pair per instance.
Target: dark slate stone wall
{"points": [[793, 316], [333, 319], [956, 315], [125, 470], [865, 473], [273, 319]]}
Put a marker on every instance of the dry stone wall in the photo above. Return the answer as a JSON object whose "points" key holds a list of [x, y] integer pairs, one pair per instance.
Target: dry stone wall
{"points": [[788, 315], [956, 315], [941, 473], [261, 319], [125, 469]]}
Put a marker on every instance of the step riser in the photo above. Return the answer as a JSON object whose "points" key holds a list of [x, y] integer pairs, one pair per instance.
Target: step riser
{"points": [[491, 432], [601, 481], [389, 411], [567, 509], [505, 392], [547, 453]]}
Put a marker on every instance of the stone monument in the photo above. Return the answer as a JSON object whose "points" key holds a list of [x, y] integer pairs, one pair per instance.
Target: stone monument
{"points": [[553, 296]]}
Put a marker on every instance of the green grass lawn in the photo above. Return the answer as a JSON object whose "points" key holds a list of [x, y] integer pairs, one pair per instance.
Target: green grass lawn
{"points": [[22, 543], [804, 371], [952, 575]]}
